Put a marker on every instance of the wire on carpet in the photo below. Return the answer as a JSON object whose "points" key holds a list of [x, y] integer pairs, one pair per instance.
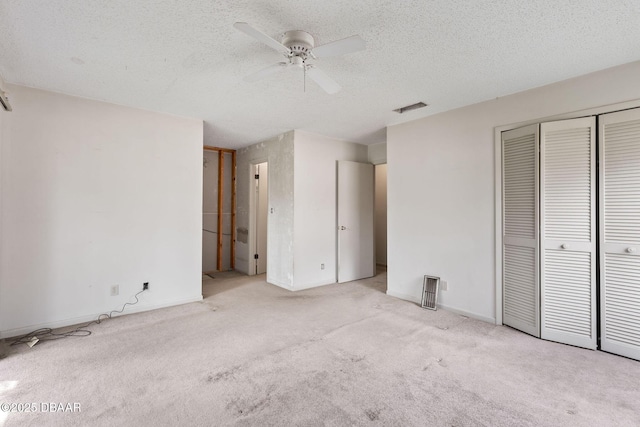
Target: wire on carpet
{"points": [[47, 334]]}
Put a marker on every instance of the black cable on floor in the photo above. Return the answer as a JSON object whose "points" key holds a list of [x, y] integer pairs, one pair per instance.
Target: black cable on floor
{"points": [[47, 334]]}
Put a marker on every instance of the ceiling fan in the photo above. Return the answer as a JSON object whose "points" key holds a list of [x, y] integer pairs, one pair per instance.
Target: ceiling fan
{"points": [[298, 47]]}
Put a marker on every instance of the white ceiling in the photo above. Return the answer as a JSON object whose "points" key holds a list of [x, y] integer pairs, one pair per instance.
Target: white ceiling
{"points": [[184, 56]]}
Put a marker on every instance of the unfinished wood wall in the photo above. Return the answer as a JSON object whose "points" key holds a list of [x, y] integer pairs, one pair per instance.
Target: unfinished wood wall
{"points": [[218, 210]]}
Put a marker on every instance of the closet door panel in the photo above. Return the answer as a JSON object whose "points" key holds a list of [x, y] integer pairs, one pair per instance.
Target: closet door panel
{"points": [[521, 305], [620, 232], [567, 205]]}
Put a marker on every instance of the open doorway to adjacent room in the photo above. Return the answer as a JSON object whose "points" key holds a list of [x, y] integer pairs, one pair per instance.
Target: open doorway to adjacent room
{"points": [[218, 212], [380, 221], [259, 215]]}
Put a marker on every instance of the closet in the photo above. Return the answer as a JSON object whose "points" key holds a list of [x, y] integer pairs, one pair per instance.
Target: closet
{"points": [[620, 232], [552, 196]]}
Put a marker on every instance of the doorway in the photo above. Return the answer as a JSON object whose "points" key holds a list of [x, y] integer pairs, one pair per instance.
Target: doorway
{"points": [[218, 209], [260, 216], [381, 215]]}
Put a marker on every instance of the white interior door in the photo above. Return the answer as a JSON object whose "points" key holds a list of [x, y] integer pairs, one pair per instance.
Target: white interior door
{"points": [[620, 232], [262, 215], [567, 188], [520, 213], [356, 256]]}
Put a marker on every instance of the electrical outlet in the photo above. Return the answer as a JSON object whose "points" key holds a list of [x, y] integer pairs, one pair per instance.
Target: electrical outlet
{"points": [[115, 290], [444, 285], [321, 266], [145, 286]]}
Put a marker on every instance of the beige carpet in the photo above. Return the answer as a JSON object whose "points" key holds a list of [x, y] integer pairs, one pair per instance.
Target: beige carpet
{"points": [[254, 354]]}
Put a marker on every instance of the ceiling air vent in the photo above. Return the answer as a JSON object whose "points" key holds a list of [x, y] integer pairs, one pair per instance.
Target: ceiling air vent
{"points": [[410, 107]]}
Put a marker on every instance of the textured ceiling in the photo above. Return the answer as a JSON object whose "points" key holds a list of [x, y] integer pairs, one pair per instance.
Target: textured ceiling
{"points": [[184, 56]]}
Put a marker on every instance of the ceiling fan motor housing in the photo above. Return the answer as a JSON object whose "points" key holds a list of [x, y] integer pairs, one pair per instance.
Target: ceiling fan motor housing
{"points": [[300, 42], [298, 46]]}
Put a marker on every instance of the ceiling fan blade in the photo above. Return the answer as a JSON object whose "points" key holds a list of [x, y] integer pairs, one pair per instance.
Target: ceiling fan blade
{"points": [[261, 37], [340, 47], [324, 81], [266, 72]]}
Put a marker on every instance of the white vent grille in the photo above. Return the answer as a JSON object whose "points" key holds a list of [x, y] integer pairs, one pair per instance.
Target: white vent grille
{"points": [[430, 287]]}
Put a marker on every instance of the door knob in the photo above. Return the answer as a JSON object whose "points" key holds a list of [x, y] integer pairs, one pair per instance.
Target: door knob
{"points": [[342, 227], [564, 246], [631, 250]]}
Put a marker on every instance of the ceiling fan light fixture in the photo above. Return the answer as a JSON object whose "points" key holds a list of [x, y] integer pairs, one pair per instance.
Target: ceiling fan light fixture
{"points": [[297, 61], [410, 107]]}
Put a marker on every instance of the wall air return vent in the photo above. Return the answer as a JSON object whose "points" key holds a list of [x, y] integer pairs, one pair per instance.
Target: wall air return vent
{"points": [[430, 287], [410, 107]]}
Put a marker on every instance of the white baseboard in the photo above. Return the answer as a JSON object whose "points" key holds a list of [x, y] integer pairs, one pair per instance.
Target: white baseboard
{"points": [[242, 266], [313, 285], [468, 314], [405, 297], [280, 285], [417, 300], [89, 317]]}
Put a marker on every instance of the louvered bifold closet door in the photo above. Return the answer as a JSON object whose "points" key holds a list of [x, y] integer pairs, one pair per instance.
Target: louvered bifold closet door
{"points": [[521, 291], [567, 207], [620, 233]]}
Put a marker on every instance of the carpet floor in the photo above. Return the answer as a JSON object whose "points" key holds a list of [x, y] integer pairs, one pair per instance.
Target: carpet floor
{"points": [[252, 354]]}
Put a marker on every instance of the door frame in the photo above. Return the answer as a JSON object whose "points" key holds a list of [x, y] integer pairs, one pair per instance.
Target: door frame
{"points": [[497, 138], [251, 241]]}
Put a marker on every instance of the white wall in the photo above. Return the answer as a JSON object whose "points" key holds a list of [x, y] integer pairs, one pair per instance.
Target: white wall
{"points": [[315, 228], [3, 118], [95, 195], [381, 214], [278, 152], [377, 153], [441, 204]]}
